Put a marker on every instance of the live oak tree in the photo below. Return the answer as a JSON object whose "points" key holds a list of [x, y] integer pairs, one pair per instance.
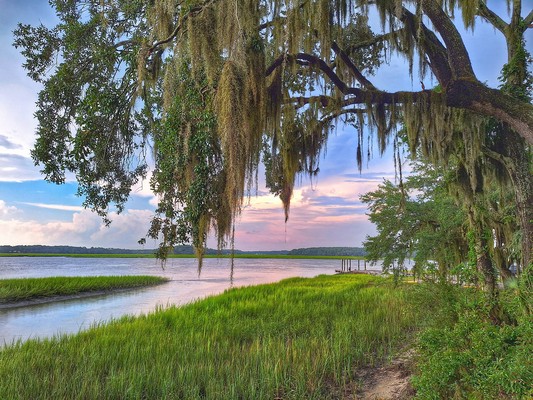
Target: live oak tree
{"points": [[207, 86]]}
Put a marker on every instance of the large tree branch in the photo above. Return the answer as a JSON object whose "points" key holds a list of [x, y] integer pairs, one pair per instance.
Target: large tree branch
{"points": [[364, 97], [431, 45], [528, 20], [351, 66], [359, 96], [372, 41], [474, 96], [309, 60], [458, 57], [491, 17], [270, 23], [498, 157], [515, 12], [464, 94], [191, 13]]}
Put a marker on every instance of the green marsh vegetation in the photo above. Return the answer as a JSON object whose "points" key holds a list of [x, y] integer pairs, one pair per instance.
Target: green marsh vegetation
{"points": [[297, 339], [13, 290]]}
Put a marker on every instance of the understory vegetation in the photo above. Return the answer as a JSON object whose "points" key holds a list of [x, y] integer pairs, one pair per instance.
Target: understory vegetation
{"points": [[463, 354], [12, 290], [478, 343]]}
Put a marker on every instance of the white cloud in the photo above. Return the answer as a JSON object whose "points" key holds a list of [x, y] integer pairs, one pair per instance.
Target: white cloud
{"points": [[84, 229], [17, 106], [7, 211], [61, 207], [7, 143], [142, 189], [327, 214]]}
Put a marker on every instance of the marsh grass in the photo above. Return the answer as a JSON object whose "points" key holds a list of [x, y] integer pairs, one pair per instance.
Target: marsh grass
{"points": [[13, 290], [296, 339]]}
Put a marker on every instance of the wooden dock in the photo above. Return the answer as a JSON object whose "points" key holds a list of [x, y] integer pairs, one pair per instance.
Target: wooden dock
{"points": [[346, 266]]}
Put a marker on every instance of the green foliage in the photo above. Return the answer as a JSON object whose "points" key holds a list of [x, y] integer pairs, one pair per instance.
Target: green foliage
{"points": [[86, 92], [516, 79], [297, 339], [189, 175], [419, 220], [467, 356]]}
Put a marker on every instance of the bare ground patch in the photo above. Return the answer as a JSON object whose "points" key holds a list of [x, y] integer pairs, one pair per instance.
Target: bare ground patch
{"points": [[387, 382]]}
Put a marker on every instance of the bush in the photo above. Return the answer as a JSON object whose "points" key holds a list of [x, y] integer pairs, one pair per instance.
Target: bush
{"points": [[468, 356]]}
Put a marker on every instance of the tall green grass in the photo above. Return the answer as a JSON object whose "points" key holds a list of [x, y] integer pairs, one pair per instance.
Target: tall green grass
{"points": [[12, 290], [297, 339]]}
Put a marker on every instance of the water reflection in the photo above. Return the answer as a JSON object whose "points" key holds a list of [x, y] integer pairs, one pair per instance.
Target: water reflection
{"points": [[70, 316]]}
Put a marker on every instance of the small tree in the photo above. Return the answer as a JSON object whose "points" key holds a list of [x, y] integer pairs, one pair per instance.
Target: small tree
{"points": [[417, 220]]}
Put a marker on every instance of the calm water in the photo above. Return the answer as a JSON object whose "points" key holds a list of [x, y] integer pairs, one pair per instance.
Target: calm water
{"points": [[70, 316]]}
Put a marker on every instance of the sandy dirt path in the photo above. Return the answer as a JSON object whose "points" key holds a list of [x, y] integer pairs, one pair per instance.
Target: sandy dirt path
{"points": [[388, 382]]}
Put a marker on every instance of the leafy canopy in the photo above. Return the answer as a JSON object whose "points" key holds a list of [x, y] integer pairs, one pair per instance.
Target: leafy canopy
{"points": [[202, 88]]}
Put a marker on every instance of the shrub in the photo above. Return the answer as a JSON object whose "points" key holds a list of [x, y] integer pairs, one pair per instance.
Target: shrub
{"points": [[471, 357]]}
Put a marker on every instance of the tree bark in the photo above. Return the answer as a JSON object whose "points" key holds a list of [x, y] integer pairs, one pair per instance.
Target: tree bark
{"points": [[486, 268], [517, 161], [475, 96]]}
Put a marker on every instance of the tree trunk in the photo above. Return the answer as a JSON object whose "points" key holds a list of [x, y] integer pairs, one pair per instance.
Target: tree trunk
{"points": [[484, 263], [523, 184], [518, 152], [486, 268]]}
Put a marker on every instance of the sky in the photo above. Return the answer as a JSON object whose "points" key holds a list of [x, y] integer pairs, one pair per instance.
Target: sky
{"points": [[324, 212]]}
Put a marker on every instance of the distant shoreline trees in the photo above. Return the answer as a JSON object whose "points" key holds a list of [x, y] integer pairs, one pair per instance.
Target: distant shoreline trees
{"points": [[311, 251]]}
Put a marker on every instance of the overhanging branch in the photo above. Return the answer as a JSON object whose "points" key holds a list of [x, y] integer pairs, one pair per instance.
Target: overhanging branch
{"points": [[431, 45], [528, 20], [491, 17], [191, 13], [458, 58], [351, 66], [365, 97]]}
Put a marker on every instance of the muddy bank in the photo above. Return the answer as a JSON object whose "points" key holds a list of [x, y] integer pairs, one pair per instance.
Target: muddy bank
{"points": [[54, 299]]}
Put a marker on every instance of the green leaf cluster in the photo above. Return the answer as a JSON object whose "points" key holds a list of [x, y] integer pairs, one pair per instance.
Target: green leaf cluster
{"points": [[189, 175], [417, 220]]}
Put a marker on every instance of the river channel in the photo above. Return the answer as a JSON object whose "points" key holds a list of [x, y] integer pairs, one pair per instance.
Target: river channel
{"points": [[71, 316]]}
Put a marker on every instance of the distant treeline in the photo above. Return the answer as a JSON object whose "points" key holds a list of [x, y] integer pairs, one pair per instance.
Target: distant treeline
{"points": [[38, 249], [328, 251], [312, 251]]}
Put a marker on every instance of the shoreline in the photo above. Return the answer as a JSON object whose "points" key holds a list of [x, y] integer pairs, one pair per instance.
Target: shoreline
{"points": [[59, 298], [68, 288]]}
